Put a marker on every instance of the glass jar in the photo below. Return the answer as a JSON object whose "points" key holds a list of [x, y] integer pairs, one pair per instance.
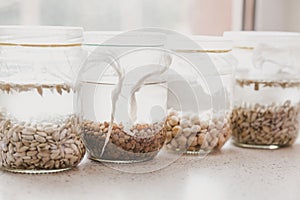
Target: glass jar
{"points": [[38, 127], [267, 103], [200, 99], [122, 106]]}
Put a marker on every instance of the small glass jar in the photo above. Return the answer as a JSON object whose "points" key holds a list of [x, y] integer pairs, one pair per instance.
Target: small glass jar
{"points": [[267, 103], [38, 127], [200, 99], [122, 110]]}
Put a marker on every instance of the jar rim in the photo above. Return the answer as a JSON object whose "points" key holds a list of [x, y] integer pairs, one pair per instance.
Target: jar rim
{"points": [[199, 44], [259, 34], [17, 35], [123, 39], [253, 38]]}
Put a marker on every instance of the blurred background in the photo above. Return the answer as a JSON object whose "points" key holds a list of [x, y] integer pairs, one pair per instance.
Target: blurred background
{"points": [[210, 17]]}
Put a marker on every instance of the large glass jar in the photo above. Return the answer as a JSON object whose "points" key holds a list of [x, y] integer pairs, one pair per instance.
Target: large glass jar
{"points": [[38, 126], [267, 102], [200, 98], [121, 99]]}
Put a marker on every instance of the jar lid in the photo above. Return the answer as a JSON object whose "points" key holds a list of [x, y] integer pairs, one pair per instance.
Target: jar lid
{"points": [[40, 35], [250, 39], [124, 39]]}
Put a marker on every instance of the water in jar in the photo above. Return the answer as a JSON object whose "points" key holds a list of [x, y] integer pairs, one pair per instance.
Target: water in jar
{"points": [[38, 128], [266, 113], [192, 132], [129, 141]]}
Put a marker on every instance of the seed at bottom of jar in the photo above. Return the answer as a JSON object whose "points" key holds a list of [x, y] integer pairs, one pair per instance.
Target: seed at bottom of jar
{"points": [[50, 146], [274, 124], [144, 143], [190, 133]]}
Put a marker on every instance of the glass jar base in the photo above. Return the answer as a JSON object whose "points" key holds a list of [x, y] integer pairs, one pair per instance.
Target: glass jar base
{"points": [[30, 171], [258, 146], [119, 161]]}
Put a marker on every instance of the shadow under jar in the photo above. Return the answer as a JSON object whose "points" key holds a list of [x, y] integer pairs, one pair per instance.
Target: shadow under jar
{"points": [[200, 98], [267, 103], [119, 119], [38, 127]]}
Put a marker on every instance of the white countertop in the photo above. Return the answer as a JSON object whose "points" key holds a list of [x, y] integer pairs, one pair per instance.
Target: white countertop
{"points": [[233, 173]]}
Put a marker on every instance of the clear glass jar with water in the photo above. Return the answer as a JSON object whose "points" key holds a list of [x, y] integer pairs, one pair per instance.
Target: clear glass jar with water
{"points": [[200, 97], [122, 99], [267, 102], [38, 127]]}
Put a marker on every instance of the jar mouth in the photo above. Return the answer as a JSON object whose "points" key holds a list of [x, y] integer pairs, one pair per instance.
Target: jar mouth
{"points": [[40, 36], [250, 39], [259, 34], [199, 44], [91, 38], [123, 39]]}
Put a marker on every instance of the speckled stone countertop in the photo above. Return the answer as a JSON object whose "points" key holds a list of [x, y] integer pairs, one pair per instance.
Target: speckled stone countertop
{"points": [[233, 173]]}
